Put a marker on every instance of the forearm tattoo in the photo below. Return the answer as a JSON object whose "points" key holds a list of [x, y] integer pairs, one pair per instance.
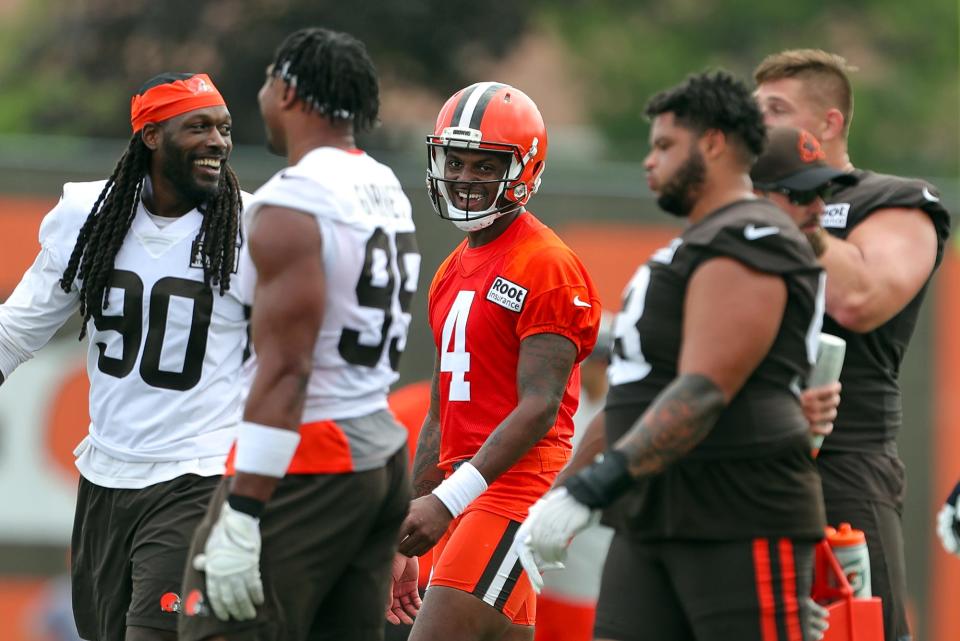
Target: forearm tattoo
{"points": [[543, 370], [681, 416], [544, 367], [426, 474]]}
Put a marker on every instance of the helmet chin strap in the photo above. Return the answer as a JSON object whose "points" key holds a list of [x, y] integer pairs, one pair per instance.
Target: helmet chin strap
{"points": [[471, 220], [476, 224]]}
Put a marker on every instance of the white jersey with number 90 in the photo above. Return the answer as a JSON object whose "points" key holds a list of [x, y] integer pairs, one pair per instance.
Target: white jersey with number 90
{"points": [[164, 354]]}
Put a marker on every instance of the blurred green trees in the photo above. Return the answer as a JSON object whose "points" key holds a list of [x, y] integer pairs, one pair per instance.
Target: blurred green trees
{"points": [[70, 67], [907, 92]]}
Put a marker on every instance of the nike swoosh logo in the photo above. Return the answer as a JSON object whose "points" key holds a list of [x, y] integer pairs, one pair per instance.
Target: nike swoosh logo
{"points": [[580, 303], [751, 232], [929, 196]]}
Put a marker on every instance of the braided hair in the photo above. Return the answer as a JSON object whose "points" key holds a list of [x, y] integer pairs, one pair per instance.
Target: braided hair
{"points": [[105, 228], [331, 74]]}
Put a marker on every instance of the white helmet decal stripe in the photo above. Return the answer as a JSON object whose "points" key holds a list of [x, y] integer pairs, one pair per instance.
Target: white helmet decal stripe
{"points": [[480, 90]]}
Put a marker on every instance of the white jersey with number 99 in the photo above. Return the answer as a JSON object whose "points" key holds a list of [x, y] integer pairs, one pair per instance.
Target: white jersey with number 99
{"points": [[371, 265]]}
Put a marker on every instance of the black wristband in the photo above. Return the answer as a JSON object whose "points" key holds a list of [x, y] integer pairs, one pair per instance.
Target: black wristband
{"points": [[246, 504], [602, 482]]}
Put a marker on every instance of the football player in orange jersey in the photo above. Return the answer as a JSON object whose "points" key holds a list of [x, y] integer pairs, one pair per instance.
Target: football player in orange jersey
{"points": [[513, 311]]}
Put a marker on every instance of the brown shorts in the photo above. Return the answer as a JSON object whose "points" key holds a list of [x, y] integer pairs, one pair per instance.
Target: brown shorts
{"points": [[128, 552], [328, 541], [705, 590]]}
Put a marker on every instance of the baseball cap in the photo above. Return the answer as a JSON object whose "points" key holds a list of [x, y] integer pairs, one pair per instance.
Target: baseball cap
{"points": [[794, 160]]}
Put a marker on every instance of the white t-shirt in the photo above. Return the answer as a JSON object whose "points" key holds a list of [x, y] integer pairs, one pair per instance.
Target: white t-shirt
{"points": [[164, 357]]}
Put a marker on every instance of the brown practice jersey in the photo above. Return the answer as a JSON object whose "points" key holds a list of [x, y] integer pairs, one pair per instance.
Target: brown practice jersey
{"points": [[753, 474], [870, 412]]}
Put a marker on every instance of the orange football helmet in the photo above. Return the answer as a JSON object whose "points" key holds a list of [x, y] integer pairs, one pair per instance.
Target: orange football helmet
{"points": [[494, 117]]}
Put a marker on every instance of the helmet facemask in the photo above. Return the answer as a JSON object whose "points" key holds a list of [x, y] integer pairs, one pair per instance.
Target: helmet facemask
{"points": [[511, 193]]}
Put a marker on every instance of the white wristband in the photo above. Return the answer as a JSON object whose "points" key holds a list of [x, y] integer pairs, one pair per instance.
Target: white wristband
{"points": [[461, 488], [265, 450]]}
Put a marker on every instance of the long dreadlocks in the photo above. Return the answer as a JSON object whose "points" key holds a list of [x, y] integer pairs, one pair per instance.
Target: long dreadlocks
{"points": [[109, 221], [331, 73]]}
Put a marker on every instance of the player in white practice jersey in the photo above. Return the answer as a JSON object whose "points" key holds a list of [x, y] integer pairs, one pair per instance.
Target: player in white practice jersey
{"points": [[150, 257], [319, 478]]}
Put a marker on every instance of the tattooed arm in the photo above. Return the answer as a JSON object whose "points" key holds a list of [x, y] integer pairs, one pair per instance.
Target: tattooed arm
{"points": [[543, 371], [718, 354], [426, 474]]}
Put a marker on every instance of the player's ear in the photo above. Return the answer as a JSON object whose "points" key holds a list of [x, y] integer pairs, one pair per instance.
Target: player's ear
{"points": [[833, 125], [713, 143], [151, 135], [289, 98]]}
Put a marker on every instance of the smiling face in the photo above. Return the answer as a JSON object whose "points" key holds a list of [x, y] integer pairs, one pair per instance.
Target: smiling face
{"points": [[475, 178], [193, 152], [675, 167]]}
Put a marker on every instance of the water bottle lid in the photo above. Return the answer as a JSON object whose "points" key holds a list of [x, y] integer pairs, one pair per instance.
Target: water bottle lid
{"points": [[846, 535]]}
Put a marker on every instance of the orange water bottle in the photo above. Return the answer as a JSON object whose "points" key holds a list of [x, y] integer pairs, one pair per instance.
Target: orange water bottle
{"points": [[849, 546]]}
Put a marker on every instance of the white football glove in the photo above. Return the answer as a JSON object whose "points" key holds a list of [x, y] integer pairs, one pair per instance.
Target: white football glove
{"points": [[556, 522], [529, 559], [948, 524], [231, 560]]}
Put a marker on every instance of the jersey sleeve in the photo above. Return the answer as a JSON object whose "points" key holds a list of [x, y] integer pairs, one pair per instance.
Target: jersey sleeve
{"points": [[763, 246], [562, 300], [38, 307], [292, 189], [894, 192]]}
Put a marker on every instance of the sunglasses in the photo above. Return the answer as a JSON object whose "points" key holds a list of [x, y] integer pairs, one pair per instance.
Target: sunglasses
{"points": [[806, 197]]}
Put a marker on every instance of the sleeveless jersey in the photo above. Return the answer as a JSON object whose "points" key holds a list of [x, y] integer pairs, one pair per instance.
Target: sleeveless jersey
{"points": [[483, 302], [165, 354], [371, 265], [753, 474], [870, 411]]}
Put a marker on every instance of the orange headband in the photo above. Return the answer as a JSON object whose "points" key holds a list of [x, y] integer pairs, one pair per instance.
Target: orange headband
{"points": [[171, 99]]}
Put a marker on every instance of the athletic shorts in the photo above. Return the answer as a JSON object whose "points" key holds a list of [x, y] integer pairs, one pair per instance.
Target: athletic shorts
{"points": [[128, 551], [705, 590], [328, 542], [866, 490], [476, 555], [881, 525]]}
